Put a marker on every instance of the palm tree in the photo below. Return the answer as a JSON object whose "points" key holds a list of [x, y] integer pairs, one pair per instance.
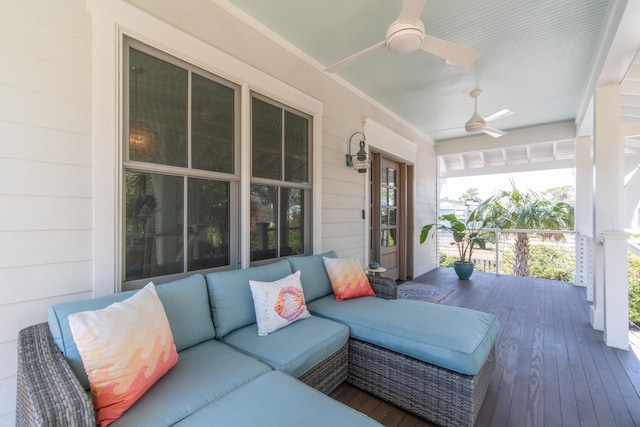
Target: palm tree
{"points": [[513, 209]]}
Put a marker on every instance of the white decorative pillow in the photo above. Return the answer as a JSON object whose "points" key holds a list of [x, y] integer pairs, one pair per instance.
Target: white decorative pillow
{"points": [[278, 303], [125, 348]]}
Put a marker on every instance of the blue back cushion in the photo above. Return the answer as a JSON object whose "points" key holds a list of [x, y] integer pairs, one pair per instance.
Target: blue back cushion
{"points": [[185, 302], [230, 294], [313, 275]]}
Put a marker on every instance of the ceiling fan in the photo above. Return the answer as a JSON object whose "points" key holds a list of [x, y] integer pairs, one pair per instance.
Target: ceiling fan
{"points": [[407, 34], [478, 124]]}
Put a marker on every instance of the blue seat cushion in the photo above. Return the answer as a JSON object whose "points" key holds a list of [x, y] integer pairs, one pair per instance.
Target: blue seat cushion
{"points": [[204, 374], [295, 348], [455, 338], [276, 399], [313, 275], [185, 303], [230, 295]]}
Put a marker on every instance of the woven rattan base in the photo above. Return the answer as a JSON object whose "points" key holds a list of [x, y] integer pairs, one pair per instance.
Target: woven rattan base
{"points": [[444, 397], [330, 373], [48, 393]]}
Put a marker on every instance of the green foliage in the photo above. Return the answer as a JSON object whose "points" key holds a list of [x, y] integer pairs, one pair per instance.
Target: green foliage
{"points": [[634, 289], [448, 260], [467, 234], [545, 262]]}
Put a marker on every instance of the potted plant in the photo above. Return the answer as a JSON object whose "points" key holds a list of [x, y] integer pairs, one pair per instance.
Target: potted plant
{"points": [[467, 235]]}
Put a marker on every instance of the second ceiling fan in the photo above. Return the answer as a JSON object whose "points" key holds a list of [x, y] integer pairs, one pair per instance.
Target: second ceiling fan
{"points": [[407, 34], [479, 124]]}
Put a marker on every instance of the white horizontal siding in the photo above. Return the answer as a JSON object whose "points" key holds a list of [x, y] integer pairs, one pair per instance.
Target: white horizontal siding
{"points": [[27, 282], [46, 161], [8, 352], [45, 145], [26, 213], [425, 255], [7, 400]]}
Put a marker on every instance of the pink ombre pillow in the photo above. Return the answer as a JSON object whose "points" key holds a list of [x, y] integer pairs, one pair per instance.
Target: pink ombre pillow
{"points": [[347, 278], [125, 348]]}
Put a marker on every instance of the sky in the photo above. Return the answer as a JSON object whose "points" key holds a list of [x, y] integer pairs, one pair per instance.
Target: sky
{"points": [[488, 185]]}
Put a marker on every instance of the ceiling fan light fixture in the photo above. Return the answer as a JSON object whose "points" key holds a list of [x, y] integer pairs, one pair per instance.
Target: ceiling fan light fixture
{"points": [[403, 38], [474, 126]]}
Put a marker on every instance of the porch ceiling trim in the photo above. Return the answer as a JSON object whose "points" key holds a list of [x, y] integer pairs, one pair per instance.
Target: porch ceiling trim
{"points": [[550, 146]]}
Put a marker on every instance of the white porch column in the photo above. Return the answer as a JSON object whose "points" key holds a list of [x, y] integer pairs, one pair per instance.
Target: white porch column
{"points": [[616, 289], [608, 188], [584, 214]]}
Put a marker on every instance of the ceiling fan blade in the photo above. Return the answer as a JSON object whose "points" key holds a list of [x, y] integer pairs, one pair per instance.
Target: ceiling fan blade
{"points": [[498, 115], [411, 10], [496, 133], [455, 53], [353, 58]]}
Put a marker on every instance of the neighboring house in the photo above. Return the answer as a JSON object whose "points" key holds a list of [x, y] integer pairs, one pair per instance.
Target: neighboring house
{"points": [[61, 143], [461, 210]]}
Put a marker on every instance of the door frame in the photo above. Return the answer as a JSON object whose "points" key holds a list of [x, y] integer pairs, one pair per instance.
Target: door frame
{"points": [[404, 217], [387, 142]]}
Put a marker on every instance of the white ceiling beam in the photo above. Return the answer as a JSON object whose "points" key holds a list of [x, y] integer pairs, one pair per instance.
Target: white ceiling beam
{"points": [[628, 99], [515, 137], [511, 168], [630, 87], [634, 71], [631, 129], [630, 111]]}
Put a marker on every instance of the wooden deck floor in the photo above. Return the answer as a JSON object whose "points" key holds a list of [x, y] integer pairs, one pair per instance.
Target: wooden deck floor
{"points": [[552, 368]]}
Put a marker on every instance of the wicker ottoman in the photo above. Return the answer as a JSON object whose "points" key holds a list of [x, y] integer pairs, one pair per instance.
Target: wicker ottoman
{"points": [[445, 397]]}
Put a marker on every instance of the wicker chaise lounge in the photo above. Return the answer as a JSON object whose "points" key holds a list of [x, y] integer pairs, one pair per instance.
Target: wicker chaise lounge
{"points": [[437, 394]]}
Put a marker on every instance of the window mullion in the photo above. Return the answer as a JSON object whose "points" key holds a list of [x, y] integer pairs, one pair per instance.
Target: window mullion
{"points": [[279, 218], [189, 121], [185, 225]]}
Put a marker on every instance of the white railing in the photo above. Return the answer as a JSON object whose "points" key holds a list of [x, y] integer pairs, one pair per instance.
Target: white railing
{"points": [[499, 250]]}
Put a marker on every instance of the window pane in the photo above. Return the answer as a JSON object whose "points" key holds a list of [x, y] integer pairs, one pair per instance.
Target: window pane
{"points": [[292, 233], [266, 140], [154, 227], [157, 110], [212, 125], [391, 177], [264, 202], [384, 218], [383, 196], [208, 226], [392, 237], [392, 217], [296, 148], [392, 197]]}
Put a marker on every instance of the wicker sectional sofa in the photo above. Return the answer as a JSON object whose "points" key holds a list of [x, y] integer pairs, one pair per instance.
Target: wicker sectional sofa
{"points": [[432, 360]]}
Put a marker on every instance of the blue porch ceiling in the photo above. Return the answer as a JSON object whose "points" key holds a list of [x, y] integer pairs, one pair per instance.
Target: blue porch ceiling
{"points": [[537, 55]]}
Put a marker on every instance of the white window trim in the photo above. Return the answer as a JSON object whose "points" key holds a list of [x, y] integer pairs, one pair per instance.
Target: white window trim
{"points": [[112, 20]]}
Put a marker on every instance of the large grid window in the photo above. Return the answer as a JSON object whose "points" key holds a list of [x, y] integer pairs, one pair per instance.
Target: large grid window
{"points": [[180, 167], [280, 180]]}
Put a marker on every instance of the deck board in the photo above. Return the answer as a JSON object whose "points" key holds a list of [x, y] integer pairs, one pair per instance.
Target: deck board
{"points": [[552, 368]]}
